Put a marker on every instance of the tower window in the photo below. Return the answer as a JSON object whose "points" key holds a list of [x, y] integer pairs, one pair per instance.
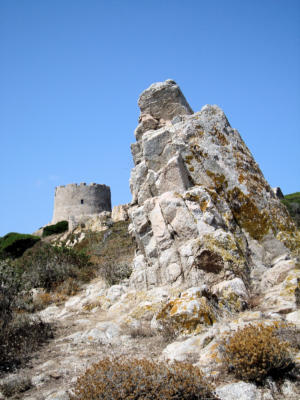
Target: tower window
{"points": [[81, 201]]}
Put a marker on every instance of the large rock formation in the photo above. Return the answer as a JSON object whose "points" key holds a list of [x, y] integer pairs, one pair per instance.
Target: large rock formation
{"points": [[202, 211]]}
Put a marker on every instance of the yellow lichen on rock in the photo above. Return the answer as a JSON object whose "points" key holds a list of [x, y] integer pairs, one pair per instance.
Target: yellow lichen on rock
{"points": [[188, 313], [291, 240], [228, 247], [257, 223]]}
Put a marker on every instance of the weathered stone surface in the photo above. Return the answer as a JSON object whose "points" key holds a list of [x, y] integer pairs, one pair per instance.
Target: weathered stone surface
{"points": [[279, 287], [201, 210], [163, 101], [60, 395], [120, 213], [188, 313], [278, 192], [232, 294], [239, 390]]}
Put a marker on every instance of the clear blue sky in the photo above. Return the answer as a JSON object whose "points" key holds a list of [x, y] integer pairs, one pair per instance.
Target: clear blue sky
{"points": [[71, 72]]}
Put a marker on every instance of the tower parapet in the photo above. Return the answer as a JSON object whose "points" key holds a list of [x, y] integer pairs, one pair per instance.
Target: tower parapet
{"points": [[76, 200]]}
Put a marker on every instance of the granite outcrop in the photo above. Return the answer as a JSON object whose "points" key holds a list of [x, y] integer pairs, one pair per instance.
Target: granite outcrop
{"points": [[202, 212]]}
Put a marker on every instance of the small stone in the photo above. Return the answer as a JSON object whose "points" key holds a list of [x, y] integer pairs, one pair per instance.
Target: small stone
{"points": [[60, 395], [55, 374], [240, 390]]}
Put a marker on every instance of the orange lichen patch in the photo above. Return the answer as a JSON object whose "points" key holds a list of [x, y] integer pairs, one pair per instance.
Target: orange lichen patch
{"points": [[220, 136], [90, 306], [197, 152], [144, 310], [248, 216], [194, 197], [188, 159], [203, 205], [213, 195], [188, 314], [220, 182], [191, 169], [242, 178]]}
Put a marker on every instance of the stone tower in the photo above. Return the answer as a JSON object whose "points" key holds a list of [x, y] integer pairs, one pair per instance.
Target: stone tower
{"points": [[74, 201]]}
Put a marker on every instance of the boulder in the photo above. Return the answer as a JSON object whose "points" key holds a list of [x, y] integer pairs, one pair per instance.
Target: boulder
{"points": [[239, 390], [278, 192], [120, 213]]}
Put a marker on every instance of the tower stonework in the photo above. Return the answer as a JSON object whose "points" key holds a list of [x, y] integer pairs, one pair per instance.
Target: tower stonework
{"points": [[73, 201]]}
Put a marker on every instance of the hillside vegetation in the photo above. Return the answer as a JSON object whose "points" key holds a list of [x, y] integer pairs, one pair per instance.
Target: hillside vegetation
{"points": [[15, 244], [292, 202], [34, 274]]}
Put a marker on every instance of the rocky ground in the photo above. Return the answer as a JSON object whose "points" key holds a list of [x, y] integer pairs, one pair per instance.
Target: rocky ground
{"points": [[83, 334], [119, 321]]}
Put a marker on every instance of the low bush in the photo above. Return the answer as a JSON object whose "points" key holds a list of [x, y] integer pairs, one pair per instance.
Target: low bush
{"points": [[292, 203], [141, 379], [20, 334], [55, 269], [114, 272], [48, 266], [60, 227], [256, 352], [112, 251], [14, 244]]}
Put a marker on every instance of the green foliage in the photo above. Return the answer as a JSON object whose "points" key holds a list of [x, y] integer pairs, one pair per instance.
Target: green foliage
{"points": [[292, 202], [134, 379], [60, 227], [293, 197], [14, 244], [255, 352], [44, 266], [48, 266]]}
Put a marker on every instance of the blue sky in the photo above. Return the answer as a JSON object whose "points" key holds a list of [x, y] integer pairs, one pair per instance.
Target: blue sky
{"points": [[71, 72]]}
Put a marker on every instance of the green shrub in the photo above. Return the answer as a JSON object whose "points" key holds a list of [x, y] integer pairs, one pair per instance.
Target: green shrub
{"points": [[48, 266], [14, 244], [292, 203], [56, 269], [255, 352], [134, 379], [60, 227]]}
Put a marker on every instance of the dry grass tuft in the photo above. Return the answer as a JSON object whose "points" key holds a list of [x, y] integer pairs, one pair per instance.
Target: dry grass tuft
{"points": [[142, 379], [142, 331], [255, 352]]}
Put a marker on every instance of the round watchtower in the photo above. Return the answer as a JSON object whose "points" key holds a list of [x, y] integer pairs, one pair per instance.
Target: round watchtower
{"points": [[75, 200]]}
